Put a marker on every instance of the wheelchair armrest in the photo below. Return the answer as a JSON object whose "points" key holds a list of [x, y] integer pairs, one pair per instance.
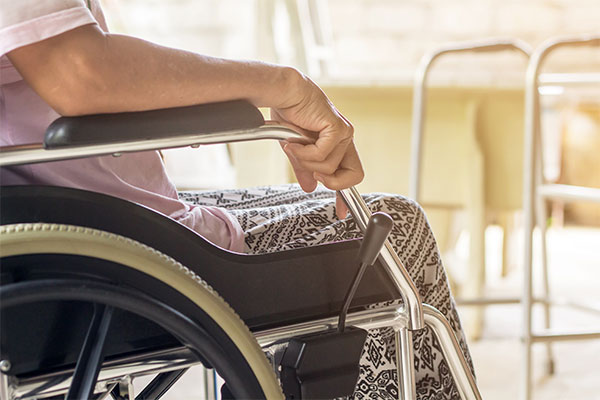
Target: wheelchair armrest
{"points": [[155, 124]]}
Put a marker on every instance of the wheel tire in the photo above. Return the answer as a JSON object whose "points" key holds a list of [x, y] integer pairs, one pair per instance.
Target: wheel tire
{"points": [[40, 238]]}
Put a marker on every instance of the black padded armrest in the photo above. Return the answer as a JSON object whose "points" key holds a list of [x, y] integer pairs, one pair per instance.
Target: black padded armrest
{"points": [[155, 124]]}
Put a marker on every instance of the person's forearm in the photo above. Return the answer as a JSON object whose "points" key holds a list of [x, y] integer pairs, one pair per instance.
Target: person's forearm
{"points": [[85, 71], [102, 73]]}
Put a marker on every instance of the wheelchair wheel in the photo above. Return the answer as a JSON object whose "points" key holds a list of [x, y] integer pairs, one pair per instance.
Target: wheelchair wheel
{"points": [[128, 290]]}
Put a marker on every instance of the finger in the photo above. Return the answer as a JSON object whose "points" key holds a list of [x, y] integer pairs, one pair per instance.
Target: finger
{"points": [[341, 209], [350, 173], [329, 139], [342, 179], [306, 180], [326, 167], [305, 177]]}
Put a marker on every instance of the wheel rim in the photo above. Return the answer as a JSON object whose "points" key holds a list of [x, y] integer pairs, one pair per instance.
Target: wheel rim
{"points": [[111, 296], [23, 239]]}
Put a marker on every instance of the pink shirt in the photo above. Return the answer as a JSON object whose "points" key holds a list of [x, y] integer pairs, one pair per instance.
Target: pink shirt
{"points": [[24, 116]]}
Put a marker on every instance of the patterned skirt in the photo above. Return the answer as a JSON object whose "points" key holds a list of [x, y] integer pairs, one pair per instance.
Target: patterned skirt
{"points": [[283, 217]]}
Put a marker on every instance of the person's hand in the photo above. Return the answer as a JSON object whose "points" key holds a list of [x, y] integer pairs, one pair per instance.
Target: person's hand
{"points": [[332, 159]]}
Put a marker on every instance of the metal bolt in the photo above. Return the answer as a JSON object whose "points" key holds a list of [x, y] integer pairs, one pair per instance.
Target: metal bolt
{"points": [[195, 146], [116, 154], [5, 365]]}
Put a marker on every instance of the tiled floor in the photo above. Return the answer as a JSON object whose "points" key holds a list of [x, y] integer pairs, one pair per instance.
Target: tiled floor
{"points": [[575, 272]]}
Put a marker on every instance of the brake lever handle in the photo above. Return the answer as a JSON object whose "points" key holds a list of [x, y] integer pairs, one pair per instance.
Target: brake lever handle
{"points": [[379, 227]]}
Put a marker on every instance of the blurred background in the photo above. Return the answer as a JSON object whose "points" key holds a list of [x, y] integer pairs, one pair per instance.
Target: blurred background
{"points": [[364, 54]]}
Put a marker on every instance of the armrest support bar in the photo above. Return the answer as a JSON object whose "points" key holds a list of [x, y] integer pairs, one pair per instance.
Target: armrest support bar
{"points": [[37, 153]]}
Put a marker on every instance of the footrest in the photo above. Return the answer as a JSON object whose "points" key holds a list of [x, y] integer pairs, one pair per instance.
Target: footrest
{"points": [[322, 366]]}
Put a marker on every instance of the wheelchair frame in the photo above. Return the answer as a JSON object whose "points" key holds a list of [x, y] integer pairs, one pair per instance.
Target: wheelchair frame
{"points": [[410, 317]]}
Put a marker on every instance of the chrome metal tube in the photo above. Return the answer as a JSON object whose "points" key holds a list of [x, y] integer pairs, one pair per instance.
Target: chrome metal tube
{"points": [[392, 263], [4, 386], [168, 360], [486, 301], [420, 96], [36, 153], [532, 129], [392, 316], [150, 363], [163, 361], [569, 78], [405, 362], [554, 335], [464, 379], [569, 192]]}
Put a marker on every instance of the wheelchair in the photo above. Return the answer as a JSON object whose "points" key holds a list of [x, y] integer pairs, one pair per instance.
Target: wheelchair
{"points": [[97, 291]]}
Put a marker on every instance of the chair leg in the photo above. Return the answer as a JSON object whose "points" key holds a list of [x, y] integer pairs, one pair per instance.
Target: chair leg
{"points": [[405, 361]]}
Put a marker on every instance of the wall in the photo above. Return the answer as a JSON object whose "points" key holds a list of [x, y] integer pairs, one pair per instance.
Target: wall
{"points": [[376, 48], [379, 40]]}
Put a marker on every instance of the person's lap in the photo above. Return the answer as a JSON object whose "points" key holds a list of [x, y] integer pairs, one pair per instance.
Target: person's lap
{"points": [[283, 217]]}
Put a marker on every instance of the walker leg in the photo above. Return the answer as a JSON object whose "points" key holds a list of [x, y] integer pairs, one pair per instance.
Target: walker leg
{"points": [[527, 298], [541, 223], [540, 216]]}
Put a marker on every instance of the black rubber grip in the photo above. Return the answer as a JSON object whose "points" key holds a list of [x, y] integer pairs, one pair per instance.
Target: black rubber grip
{"points": [[379, 227], [155, 124]]}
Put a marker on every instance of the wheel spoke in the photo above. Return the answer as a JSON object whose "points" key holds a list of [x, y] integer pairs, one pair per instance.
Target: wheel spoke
{"points": [[91, 355], [160, 384]]}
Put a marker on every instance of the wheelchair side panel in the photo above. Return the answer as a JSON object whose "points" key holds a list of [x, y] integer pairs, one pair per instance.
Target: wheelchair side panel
{"points": [[265, 290]]}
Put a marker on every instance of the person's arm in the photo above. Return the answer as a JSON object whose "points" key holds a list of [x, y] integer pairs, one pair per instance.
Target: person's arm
{"points": [[88, 71]]}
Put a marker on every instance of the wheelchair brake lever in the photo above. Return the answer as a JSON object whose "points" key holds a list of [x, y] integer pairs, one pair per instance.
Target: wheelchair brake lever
{"points": [[379, 227], [326, 365]]}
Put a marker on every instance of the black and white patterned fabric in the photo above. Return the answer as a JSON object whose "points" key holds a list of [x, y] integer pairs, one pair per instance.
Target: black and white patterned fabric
{"points": [[284, 217]]}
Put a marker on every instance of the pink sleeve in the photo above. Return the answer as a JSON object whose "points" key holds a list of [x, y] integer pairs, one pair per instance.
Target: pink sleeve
{"points": [[24, 22]]}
